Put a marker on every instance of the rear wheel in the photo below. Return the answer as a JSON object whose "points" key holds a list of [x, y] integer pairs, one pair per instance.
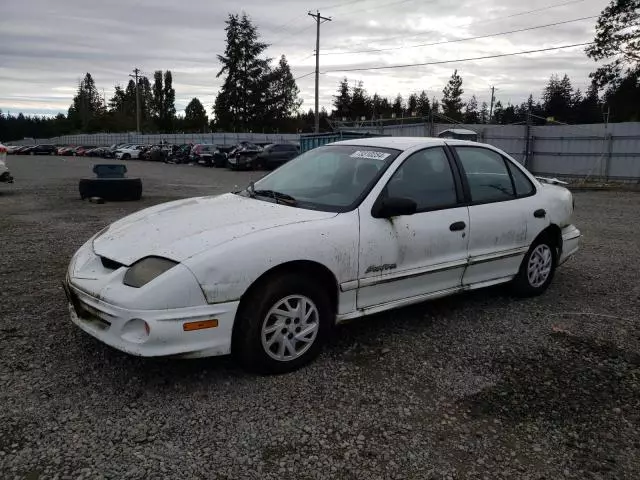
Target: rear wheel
{"points": [[282, 324], [126, 156], [537, 268]]}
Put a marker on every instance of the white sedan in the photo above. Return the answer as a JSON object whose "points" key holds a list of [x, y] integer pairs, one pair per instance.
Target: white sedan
{"points": [[342, 231], [129, 152]]}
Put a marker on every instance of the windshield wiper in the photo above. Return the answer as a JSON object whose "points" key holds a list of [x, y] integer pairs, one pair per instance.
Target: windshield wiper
{"points": [[277, 196]]}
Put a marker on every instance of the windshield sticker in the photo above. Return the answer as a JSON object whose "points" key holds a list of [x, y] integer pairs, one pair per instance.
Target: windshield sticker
{"points": [[369, 154]]}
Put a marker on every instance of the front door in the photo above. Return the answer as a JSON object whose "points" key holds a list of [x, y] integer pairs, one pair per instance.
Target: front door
{"points": [[409, 256]]}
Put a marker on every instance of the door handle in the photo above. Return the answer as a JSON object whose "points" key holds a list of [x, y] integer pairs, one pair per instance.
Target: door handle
{"points": [[540, 213], [457, 226]]}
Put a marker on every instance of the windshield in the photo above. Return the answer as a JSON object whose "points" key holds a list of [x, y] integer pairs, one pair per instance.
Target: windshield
{"points": [[334, 178]]}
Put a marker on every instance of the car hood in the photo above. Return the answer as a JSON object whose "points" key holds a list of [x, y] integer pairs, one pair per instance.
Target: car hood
{"points": [[181, 229]]}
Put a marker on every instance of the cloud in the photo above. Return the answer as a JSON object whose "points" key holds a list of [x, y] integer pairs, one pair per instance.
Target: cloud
{"points": [[46, 47]]}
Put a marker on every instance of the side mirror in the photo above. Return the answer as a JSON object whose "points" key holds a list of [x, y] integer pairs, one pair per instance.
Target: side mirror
{"points": [[393, 207]]}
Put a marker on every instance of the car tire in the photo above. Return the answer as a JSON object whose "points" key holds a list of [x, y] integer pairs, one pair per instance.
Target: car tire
{"points": [[32, 153], [260, 337], [126, 156], [537, 268], [113, 189]]}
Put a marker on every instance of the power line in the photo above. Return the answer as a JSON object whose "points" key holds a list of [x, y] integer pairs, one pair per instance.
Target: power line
{"points": [[548, 7], [457, 60], [541, 9], [442, 42], [305, 75]]}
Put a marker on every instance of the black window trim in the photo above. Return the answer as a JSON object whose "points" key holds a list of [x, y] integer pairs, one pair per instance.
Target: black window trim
{"points": [[465, 183], [460, 196]]}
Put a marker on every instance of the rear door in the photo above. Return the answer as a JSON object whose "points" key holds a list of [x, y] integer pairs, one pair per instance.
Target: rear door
{"points": [[501, 212]]}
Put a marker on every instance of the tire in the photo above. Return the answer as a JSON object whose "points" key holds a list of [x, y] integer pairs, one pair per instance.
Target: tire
{"points": [[527, 282], [126, 156], [113, 189], [32, 153], [250, 342]]}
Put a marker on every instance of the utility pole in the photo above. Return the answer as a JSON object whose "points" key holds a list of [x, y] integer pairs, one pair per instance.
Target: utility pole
{"points": [[493, 98], [319, 20], [136, 71]]}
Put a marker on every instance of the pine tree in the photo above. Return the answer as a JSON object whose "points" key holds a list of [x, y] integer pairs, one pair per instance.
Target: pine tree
{"points": [[471, 111], [484, 113], [412, 105], [283, 101], [424, 107], [498, 113], [168, 104], [342, 101], [398, 106], [557, 98], [242, 100], [359, 101], [87, 108], [195, 116], [452, 99]]}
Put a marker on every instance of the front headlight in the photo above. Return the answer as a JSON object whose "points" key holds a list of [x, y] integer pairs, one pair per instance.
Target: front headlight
{"points": [[145, 270]]}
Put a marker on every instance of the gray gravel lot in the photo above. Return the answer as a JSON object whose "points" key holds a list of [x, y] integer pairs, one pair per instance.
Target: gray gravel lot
{"points": [[478, 386]]}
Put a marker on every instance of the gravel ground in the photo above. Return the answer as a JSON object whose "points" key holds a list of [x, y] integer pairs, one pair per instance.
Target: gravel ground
{"points": [[477, 386]]}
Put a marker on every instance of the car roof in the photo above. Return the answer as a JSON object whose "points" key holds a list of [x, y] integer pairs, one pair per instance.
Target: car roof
{"points": [[403, 143]]}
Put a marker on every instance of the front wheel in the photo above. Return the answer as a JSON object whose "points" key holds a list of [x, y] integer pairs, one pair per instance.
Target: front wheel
{"points": [[537, 269], [282, 325]]}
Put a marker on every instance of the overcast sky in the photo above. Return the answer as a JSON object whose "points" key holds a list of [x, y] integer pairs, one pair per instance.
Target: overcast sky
{"points": [[46, 46]]}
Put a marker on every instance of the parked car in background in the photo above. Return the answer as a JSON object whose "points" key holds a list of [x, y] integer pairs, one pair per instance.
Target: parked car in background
{"points": [[155, 153], [62, 151], [221, 155], [22, 149], [243, 156], [342, 231], [276, 154], [179, 153], [43, 149], [11, 149], [81, 150], [203, 153], [129, 152], [101, 152]]}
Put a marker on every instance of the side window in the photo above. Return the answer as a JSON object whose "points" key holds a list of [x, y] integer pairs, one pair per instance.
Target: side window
{"points": [[487, 174], [524, 187], [426, 178]]}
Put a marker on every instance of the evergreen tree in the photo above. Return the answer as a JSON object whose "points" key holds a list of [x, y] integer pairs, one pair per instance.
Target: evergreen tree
{"points": [[283, 101], [242, 100], [589, 110], [87, 109], [359, 101], [195, 116], [398, 106], [558, 98], [471, 111], [484, 113], [424, 107], [452, 99], [412, 105], [168, 104], [498, 113], [342, 101]]}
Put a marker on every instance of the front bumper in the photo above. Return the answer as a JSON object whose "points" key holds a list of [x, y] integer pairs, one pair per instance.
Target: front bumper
{"points": [[123, 328], [570, 243]]}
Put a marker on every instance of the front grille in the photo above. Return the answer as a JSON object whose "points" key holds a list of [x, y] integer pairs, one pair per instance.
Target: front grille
{"points": [[110, 264]]}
